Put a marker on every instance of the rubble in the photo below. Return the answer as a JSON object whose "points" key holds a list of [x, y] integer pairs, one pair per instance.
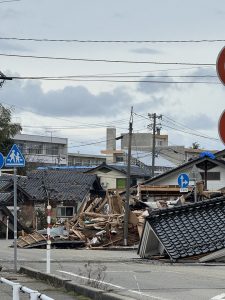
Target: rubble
{"points": [[185, 232], [99, 223]]}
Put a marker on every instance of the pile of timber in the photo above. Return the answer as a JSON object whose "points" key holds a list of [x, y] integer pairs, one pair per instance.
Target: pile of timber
{"points": [[24, 241], [100, 223]]}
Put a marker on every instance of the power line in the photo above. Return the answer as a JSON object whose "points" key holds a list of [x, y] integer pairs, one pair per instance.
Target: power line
{"points": [[199, 135], [104, 60], [112, 76], [184, 126], [132, 81], [108, 41]]}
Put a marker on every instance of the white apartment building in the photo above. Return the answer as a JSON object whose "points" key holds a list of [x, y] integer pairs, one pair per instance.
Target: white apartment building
{"points": [[43, 149]]}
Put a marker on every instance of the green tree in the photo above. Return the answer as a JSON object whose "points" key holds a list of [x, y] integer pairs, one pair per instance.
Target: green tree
{"points": [[7, 129], [195, 145]]}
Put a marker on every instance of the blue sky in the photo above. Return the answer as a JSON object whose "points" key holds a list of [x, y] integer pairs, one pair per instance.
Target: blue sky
{"points": [[82, 110]]}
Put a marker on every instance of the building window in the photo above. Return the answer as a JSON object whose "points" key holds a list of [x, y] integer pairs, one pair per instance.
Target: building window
{"points": [[211, 175], [159, 143], [119, 158], [65, 211], [52, 149], [121, 183]]}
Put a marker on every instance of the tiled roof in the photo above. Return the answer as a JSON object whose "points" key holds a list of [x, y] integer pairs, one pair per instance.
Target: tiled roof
{"points": [[5, 181], [60, 184], [190, 230], [135, 171], [5, 198]]}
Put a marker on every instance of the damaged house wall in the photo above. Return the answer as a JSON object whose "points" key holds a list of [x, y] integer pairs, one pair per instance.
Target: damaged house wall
{"points": [[65, 190]]}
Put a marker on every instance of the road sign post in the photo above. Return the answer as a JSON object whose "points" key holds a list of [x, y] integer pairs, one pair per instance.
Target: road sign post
{"points": [[183, 182], [15, 159]]}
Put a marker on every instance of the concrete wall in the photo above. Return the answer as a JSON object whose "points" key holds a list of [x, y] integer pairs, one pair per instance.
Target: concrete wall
{"points": [[143, 141]]}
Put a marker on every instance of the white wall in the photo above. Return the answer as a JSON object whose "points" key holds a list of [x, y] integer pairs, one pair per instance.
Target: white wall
{"points": [[212, 185]]}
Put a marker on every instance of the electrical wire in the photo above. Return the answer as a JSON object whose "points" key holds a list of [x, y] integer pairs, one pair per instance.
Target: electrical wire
{"points": [[195, 133], [108, 41], [112, 76], [176, 123], [136, 81], [105, 60], [191, 133]]}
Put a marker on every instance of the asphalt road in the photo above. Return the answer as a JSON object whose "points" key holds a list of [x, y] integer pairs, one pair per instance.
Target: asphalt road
{"points": [[125, 273]]}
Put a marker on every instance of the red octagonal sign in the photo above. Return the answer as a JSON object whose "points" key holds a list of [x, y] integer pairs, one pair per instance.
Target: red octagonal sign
{"points": [[220, 65], [221, 127]]}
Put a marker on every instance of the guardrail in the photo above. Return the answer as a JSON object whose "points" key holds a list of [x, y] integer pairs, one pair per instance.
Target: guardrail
{"points": [[18, 288]]}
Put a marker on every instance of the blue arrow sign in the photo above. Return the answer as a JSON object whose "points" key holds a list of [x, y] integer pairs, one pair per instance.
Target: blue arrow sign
{"points": [[183, 180], [15, 158], [1, 160]]}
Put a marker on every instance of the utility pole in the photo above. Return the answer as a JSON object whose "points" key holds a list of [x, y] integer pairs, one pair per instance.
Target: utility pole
{"points": [[154, 128], [126, 215]]}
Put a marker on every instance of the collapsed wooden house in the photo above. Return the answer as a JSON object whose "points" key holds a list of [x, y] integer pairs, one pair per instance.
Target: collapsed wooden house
{"points": [[99, 223]]}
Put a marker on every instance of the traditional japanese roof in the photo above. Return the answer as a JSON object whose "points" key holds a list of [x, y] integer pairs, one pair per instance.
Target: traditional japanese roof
{"points": [[5, 198], [58, 185], [187, 230], [135, 171], [200, 162], [5, 182]]}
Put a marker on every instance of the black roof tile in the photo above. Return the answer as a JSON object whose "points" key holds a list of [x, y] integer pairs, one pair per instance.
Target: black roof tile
{"points": [[60, 184], [190, 229]]}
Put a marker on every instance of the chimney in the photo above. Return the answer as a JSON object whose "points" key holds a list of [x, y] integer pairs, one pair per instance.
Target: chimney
{"points": [[111, 138]]}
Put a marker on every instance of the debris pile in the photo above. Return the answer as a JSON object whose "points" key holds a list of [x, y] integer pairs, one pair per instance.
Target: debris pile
{"points": [[99, 223]]}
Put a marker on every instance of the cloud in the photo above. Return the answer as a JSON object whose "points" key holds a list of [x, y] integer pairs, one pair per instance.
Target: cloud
{"points": [[7, 46], [145, 51], [147, 85], [200, 122], [209, 71], [150, 104], [70, 101], [8, 14]]}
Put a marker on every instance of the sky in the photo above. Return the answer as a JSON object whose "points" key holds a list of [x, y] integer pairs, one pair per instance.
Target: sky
{"points": [[108, 78]]}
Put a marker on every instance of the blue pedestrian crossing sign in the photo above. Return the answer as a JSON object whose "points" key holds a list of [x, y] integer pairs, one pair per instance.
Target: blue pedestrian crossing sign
{"points": [[15, 158], [183, 180]]}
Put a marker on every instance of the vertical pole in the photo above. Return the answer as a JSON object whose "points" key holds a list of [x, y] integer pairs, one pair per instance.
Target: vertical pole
{"points": [[195, 190], [153, 145], [126, 215], [7, 228], [15, 220], [48, 247], [206, 175], [16, 291]]}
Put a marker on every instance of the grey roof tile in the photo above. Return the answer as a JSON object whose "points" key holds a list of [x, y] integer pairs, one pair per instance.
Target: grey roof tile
{"points": [[60, 184], [5, 198]]}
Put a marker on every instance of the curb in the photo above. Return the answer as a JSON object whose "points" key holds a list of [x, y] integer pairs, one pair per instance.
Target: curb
{"points": [[72, 286]]}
